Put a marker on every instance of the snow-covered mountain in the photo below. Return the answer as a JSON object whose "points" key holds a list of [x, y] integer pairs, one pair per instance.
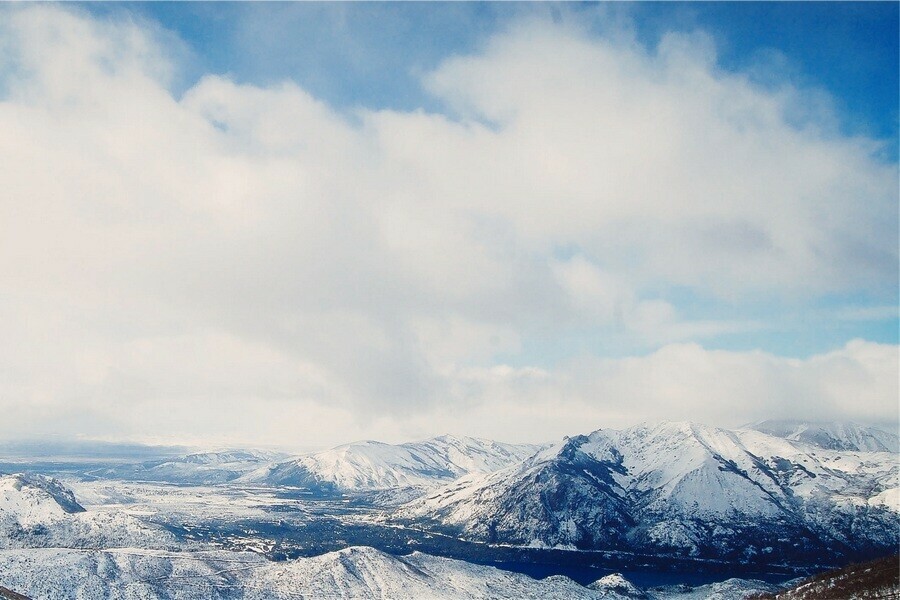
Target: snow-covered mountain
{"points": [[369, 465], [831, 436], [37, 511], [198, 468], [668, 489], [357, 572], [680, 488]]}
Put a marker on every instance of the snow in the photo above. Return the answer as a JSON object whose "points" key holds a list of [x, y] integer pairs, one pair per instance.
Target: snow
{"points": [[39, 511], [198, 468], [617, 584], [671, 486], [32, 500], [729, 589], [356, 572], [181, 504], [370, 465], [832, 436], [889, 498]]}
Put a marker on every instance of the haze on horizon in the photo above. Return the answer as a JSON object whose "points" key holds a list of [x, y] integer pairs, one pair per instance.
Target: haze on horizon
{"points": [[305, 224]]}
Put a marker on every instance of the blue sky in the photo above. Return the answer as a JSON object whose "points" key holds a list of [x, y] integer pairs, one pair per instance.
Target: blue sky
{"points": [[391, 220], [370, 53]]}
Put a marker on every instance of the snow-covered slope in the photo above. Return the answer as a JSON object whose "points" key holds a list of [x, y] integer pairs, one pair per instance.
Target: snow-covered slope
{"points": [[358, 572], [34, 498], [831, 436], [372, 465], [730, 589], [679, 488], [616, 584], [38, 511], [199, 468]]}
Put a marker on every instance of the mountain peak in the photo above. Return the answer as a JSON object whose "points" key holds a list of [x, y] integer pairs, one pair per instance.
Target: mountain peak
{"points": [[647, 487], [22, 490], [618, 585]]}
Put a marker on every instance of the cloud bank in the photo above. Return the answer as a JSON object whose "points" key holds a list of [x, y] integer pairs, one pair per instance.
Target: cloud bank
{"points": [[243, 263]]}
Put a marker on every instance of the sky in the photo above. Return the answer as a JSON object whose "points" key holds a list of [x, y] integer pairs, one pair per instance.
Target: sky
{"points": [[299, 225]]}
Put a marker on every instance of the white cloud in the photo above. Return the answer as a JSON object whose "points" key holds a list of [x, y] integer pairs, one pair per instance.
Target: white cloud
{"points": [[191, 264], [660, 164], [677, 382]]}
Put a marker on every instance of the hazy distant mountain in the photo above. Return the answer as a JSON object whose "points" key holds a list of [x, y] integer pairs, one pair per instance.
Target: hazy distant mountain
{"points": [[373, 465], [831, 436], [197, 468], [86, 449], [680, 488]]}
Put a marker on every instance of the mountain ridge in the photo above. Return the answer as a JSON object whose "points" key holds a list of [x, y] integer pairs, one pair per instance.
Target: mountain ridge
{"points": [[369, 465], [678, 487], [39, 511]]}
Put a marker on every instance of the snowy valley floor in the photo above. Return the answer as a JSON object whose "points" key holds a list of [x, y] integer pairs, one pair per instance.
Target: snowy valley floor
{"points": [[285, 524]]}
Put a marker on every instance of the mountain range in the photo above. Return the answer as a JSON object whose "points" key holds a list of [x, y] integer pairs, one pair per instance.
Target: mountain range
{"points": [[787, 494], [681, 488], [370, 465], [197, 468]]}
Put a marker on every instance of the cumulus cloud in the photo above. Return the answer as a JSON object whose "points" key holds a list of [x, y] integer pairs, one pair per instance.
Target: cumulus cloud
{"points": [[658, 161], [189, 264], [681, 382]]}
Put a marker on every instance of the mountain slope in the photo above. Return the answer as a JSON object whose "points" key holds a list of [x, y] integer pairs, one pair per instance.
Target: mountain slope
{"points": [[38, 511], [679, 488], [730, 589], [831, 436], [357, 572], [368, 465], [560, 496]]}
